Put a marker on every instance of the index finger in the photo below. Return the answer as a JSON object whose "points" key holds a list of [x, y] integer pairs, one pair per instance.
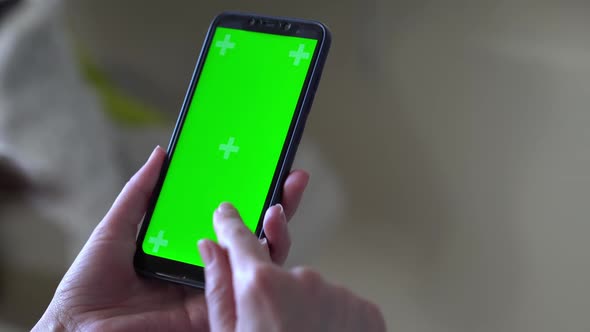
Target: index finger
{"points": [[243, 248]]}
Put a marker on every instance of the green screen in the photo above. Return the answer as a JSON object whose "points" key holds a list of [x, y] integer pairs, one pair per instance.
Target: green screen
{"points": [[232, 138]]}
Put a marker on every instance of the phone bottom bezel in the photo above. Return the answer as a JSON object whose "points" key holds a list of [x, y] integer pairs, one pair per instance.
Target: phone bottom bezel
{"points": [[177, 280], [170, 270]]}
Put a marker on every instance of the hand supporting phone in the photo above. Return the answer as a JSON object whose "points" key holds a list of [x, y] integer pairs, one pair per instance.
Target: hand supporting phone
{"points": [[236, 136]]}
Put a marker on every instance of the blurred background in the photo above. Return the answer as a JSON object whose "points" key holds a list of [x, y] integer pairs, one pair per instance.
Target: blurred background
{"points": [[448, 147]]}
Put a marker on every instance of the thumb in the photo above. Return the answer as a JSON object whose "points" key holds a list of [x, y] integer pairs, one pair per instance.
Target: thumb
{"points": [[126, 213], [219, 290]]}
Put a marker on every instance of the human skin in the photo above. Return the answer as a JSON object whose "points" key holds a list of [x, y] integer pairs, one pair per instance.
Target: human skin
{"points": [[246, 291], [101, 290]]}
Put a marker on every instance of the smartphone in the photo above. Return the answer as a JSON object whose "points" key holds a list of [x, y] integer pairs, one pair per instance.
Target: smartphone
{"points": [[235, 139]]}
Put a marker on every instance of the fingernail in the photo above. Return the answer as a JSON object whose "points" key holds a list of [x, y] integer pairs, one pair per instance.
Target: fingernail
{"points": [[281, 209], [206, 252], [155, 150], [152, 154], [226, 210]]}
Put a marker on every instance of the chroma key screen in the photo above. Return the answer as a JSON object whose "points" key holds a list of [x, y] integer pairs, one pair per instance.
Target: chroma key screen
{"points": [[231, 140]]}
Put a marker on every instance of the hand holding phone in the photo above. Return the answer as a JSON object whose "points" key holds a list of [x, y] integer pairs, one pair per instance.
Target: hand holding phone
{"points": [[102, 292]]}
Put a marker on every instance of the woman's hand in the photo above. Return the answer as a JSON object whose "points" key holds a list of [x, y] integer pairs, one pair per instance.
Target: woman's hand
{"points": [[101, 290]]}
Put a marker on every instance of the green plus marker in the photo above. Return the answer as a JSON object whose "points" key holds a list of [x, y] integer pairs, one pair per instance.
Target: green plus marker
{"points": [[231, 140]]}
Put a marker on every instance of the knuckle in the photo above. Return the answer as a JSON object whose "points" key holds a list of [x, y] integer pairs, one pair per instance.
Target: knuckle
{"points": [[262, 274], [261, 281], [307, 276]]}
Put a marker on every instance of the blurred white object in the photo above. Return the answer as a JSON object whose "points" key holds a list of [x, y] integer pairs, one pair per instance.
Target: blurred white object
{"points": [[54, 135], [52, 126]]}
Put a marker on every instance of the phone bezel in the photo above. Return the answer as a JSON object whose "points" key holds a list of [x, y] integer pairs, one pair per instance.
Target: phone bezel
{"points": [[193, 275]]}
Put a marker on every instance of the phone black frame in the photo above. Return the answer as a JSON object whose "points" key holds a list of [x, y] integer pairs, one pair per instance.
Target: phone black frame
{"points": [[192, 275]]}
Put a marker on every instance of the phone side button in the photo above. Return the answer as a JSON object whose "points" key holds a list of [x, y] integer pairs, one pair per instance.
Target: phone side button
{"points": [[309, 102]]}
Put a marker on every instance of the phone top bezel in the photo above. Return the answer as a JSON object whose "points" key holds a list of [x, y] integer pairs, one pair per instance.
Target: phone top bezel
{"points": [[193, 275]]}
